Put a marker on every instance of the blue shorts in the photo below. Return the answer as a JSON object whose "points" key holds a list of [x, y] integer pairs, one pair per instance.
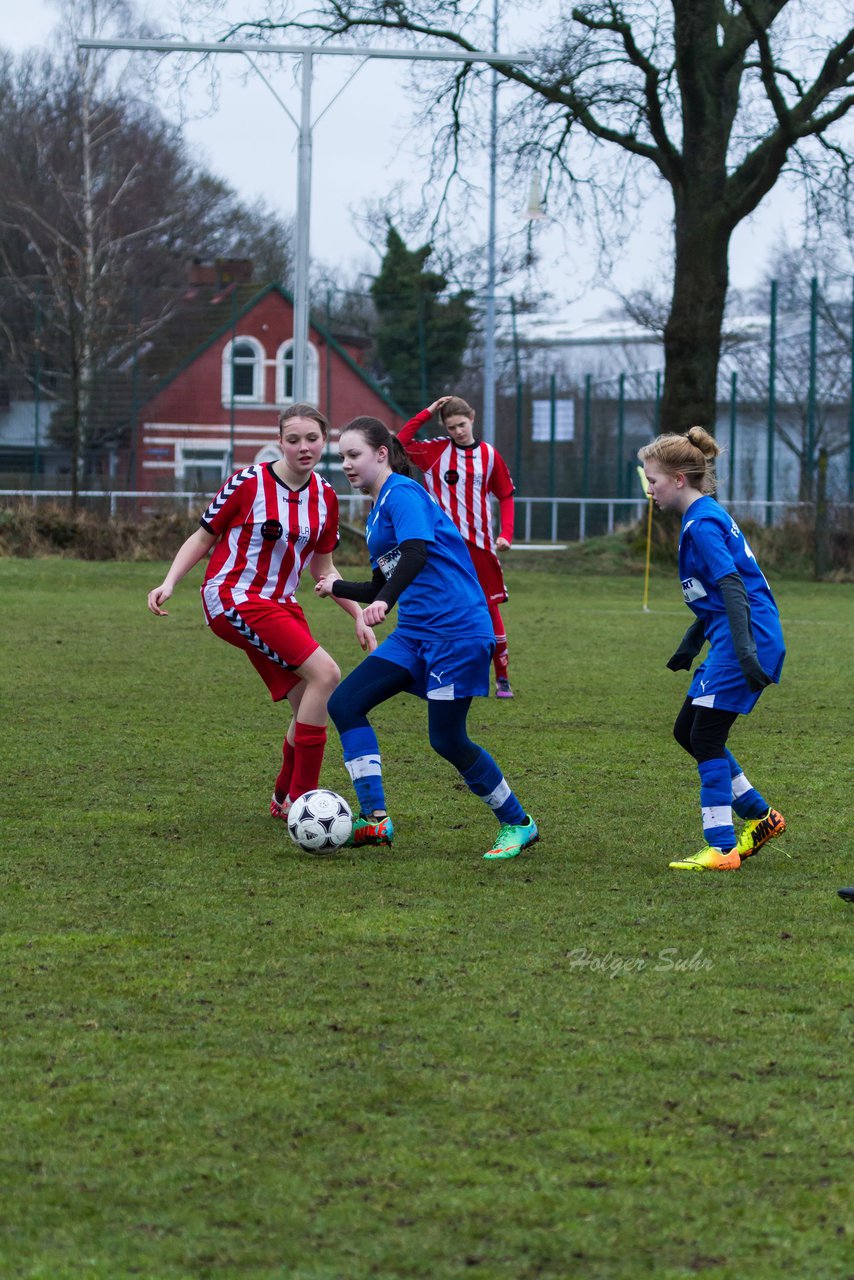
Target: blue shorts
{"points": [[444, 668], [722, 686]]}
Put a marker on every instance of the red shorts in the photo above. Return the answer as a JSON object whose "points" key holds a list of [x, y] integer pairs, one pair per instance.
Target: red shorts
{"points": [[488, 569], [275, 638]]}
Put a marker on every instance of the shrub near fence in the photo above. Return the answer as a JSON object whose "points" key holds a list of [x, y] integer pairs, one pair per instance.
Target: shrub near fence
{"points": [[55, 530]]}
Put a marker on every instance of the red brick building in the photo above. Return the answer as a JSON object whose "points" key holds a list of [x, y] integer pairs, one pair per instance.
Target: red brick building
{"points": [[217, 376]]}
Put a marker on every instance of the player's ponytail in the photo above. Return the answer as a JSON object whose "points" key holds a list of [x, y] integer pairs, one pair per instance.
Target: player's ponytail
{"points": [[378, 436], [692, 455]]}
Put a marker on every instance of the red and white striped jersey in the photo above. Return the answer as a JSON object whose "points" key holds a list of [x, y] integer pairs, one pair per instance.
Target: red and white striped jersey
{"points": [[267, 534], [461, 480]]}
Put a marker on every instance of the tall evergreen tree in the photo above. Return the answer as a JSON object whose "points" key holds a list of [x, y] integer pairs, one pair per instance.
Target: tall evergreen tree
{"points": [[422, 335]]}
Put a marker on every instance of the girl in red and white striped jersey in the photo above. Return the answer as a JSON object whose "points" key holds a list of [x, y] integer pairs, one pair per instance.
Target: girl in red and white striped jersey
{"points": [[267, 523], [461, 473]]}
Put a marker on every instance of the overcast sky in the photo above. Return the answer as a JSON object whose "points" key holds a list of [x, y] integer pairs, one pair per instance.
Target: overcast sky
{"points": [[362, 147]]}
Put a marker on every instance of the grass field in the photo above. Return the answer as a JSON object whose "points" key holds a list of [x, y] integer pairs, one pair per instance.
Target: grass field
{"points": [[225, 1058]]}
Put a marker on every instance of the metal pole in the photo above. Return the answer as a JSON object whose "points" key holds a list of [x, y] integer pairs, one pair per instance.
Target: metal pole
{"points": [[328, 358], [851, 409], [621, 430], [489, 343], [733, 396], [303, 221], [811, 393], [306, 54], [517, 469], [231, 397], [37, 385], [585, 473], [134, 392], [552, 432], [772, 408]]}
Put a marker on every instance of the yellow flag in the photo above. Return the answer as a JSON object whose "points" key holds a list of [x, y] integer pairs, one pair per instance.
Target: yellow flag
{"points": [[642, 478]]}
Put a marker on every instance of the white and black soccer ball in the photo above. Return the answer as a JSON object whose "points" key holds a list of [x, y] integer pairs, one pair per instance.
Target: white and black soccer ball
{"points": [[320, 821]]}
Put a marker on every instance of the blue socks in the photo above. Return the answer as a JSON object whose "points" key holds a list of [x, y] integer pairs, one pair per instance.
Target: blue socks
{"points": [[485, 780], [362, 762], [746, 800], [716, 803]]}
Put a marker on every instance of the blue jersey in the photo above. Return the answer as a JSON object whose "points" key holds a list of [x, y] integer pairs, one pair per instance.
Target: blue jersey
{"points": [[711, 546], [446, 596]]}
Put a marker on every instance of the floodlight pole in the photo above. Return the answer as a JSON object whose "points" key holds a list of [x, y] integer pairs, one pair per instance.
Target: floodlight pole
{"points": [[303, 223], [306, 53], [489, 336]]}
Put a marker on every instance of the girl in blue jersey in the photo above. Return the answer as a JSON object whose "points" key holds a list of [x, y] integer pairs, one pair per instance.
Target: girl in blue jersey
{"points": [[735, 611], [440, 650]]}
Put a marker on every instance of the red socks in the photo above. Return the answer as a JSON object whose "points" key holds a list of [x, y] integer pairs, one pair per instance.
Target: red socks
{"points": [[307, 758], [283, 781], [500, 659]]}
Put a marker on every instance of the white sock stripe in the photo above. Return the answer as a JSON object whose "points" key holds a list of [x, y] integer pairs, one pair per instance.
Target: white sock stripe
{"points": [[716, 815], [364, 767], [497, 797], [740, 785]]}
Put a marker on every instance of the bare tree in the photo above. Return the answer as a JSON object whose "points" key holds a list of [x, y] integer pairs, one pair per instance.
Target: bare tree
{"points": [[716, 98], [100, 212]]}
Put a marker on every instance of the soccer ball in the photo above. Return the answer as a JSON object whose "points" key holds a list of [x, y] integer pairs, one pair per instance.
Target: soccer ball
{"points": [[320, 821]]}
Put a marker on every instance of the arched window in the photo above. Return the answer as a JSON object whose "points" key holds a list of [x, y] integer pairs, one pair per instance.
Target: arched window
{"points": [[247, 368], [285, 374]]}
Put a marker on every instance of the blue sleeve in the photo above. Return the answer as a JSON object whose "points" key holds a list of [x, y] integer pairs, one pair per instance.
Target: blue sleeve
{"points": [[413, 513], [711, 550]]}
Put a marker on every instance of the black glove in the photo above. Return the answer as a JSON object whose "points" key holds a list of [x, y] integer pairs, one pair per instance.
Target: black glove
{"points": [[753, 672], [681, 661], [689, 646]]}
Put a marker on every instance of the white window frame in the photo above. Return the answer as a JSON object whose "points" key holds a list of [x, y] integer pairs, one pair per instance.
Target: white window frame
{"points": [[201, 453], [285, 361], [257, 396]]}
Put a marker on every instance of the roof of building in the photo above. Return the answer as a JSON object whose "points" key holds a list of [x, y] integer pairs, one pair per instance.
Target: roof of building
{"points": [[204, 315]]}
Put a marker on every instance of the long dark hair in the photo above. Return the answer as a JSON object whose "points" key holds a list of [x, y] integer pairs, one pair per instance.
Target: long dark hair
{"points": [[377, 434]]}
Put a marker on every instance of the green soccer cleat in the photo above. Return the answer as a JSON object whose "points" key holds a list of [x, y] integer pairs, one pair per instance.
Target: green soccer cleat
{"points": [[709, 859], [759, 831], [371, 830], [512, 840]]}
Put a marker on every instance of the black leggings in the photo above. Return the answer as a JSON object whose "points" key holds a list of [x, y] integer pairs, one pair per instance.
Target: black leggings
{"points": [[703, 731]]}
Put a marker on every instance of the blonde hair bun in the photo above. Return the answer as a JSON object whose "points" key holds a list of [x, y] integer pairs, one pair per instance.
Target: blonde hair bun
{"points": [[700, 439]]}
